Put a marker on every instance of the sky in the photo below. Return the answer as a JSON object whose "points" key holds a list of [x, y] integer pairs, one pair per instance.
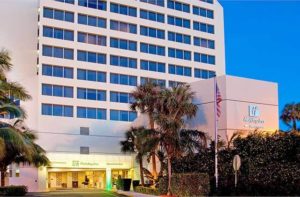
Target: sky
{"points": [[262, 40]]}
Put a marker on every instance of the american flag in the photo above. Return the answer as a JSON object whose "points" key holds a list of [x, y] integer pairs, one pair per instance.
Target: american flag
{"points": [[218, 101]]}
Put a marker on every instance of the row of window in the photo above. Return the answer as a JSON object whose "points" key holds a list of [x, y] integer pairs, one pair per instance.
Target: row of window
{"points": [[100, 58], [203, 12], [95, 4], [123, 61], [124, 27], [180, 70], [91, 94], [152, 32], [66, 1], [91, 21], [175, 5], [58, 52], [57, 90], [123, 44], [123, 9], [101, 22], [121, 97], [97, 76], [92, 57], [91, 39], [58, 15], [88, 113]]}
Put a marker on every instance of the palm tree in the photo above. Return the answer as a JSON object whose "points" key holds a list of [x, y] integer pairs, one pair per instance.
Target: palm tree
{"points": [[20, 147], [145, 98], [291, 114], [174, 106], [134, 144]]}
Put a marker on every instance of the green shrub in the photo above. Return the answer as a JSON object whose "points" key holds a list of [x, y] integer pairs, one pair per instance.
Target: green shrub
{"points": [[147, 190], [185, 185], [13, 190], [120, 183]]}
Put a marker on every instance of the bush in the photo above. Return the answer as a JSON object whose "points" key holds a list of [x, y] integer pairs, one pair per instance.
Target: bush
{"points": [[126, 184], [13, 190], [185, 185], [120, 183], [147, 190]]}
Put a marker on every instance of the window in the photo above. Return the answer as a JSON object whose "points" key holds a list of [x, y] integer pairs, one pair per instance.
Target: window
{"points": [[153, 66], [58, 52], [57, 110], [123, 79], [91, 39], [57, 71], [203, 12], [91, 113], [122, 9], [180, 22], [58, 33], [58, 15], [95, 4], [179, 54], [123, 44], [177, 37], [84, 131], [204, 58], [203, 27], [173, 84], [91, 94], [84, 150], [91, 21], [127, 116], [202, 42], [120, 97], [159, 82], [208, 1], [123, 61], [175, 5], [92, 57], [90, 75], [152, 16], [66, 1], [155, 2], [180, 70], [152, 32], [152, 49], [57, 90], [124, 27], [204, 74]]}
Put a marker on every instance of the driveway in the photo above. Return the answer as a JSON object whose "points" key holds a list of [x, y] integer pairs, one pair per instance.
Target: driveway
{"points": [[96, 193]]}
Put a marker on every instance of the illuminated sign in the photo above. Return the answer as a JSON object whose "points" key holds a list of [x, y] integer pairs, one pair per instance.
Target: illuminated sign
{"points": [[254, 111]]}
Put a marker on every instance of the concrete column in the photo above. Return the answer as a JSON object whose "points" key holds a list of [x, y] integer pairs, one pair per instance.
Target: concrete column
{"points": [[108, 179]]}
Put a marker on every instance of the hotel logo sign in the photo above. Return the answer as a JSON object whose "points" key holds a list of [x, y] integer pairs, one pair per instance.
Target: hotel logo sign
{"points": [[254, 111], [253, 120]]}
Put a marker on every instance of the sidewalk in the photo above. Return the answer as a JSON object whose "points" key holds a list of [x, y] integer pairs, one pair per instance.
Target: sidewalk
{"points": [[134, 194]]}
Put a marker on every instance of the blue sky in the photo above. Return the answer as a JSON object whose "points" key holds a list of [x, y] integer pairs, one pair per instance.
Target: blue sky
{"points": [[263, 42]]}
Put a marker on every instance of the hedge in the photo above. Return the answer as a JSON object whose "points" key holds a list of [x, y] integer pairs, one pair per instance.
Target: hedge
{"points": [[186, 185], [13, 190], [147, 190]]}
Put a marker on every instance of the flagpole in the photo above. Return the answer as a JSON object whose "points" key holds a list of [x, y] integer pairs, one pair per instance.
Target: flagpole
{"points": [[216, 132]]}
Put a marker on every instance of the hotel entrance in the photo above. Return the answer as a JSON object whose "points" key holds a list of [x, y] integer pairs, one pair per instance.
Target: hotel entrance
{"points": [[93, 179]]}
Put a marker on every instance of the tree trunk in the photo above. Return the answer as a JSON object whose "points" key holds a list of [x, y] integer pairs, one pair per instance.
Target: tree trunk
{"points": [[3, 172], [294, 125], [169, 176], [141, 171], [153, 156]]}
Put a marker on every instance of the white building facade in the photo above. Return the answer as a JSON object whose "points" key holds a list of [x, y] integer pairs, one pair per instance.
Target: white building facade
{"points": [[80, 59]]}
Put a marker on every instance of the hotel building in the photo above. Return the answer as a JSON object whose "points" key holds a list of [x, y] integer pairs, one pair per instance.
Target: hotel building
{"points": [[80, 59]]}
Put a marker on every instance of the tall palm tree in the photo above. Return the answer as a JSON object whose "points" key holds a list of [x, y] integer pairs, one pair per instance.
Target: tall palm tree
{"points": [[145, 98], [174, 107], [133, 143], [290, 115]]}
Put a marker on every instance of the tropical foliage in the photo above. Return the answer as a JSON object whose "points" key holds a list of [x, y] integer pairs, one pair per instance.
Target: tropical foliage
{"points": [[291, 115], [270, 165], [17, 143]]}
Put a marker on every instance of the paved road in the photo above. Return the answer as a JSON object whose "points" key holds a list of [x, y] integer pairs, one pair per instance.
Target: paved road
{"points": [[98, 193]]}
